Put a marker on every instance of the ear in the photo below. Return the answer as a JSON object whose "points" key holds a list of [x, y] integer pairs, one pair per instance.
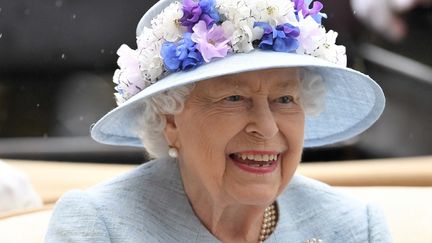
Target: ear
{"points": [[171, 132]]}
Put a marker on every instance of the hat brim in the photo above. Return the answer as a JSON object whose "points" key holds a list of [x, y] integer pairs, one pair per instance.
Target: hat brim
{"points": [[353, 100]]}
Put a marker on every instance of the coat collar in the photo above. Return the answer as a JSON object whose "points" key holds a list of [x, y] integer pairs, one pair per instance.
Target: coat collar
{"points": [[179, 208]]}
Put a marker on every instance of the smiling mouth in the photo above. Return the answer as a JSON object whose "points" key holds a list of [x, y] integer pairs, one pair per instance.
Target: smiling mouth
{"points": [[255, 160]]}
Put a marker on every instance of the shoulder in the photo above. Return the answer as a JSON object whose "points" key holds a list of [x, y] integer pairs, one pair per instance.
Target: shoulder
{"points": [[316, 201], [148, 176], [119, 209], [152, 183], [307, 189], [66, 223], [322, 211]]}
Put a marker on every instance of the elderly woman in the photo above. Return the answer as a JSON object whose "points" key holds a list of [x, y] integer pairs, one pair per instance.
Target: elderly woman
{"points": [[225, 95]]}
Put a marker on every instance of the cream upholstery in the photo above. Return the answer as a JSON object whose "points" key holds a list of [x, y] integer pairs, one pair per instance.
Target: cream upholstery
{"points": [[52, 179], [27, 226], [416, 171], [402, 187]]}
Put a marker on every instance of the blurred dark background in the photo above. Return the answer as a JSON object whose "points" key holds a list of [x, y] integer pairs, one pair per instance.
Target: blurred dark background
{"points": [[57, 58]]}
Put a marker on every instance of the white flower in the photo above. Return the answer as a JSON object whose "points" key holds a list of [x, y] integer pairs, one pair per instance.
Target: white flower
{"points": [[331, 52], [150, 60], [138, 68], [147, 39], [236, 11], [312, 35], [275, 12], [167, 24], [239, 23], [242, 35], [151, 65]]}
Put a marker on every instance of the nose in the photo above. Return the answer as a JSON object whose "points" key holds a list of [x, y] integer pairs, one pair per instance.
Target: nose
{"points": [[262, 123]]}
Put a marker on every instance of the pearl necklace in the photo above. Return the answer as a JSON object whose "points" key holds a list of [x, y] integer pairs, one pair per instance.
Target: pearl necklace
{"points": [[269, 222]]}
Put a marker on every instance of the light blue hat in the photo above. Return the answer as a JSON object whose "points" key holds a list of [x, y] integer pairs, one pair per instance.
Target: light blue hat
{"points": [[353, 100]]}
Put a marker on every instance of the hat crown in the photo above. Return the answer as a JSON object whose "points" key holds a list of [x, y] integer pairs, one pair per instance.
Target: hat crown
{"points": [[179, 36]]}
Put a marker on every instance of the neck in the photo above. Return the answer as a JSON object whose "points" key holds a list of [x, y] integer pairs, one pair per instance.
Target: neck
{"points": [[230, 222], [225, 218]]}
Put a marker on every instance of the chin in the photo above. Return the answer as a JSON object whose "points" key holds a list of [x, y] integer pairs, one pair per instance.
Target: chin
{"points": [[255, 194], [252, 185]]}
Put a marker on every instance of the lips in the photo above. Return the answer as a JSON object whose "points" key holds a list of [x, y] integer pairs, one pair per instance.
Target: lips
{"points": [[256, 161]]}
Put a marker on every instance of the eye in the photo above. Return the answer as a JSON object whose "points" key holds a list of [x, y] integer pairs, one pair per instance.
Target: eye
{"points": [[285, 99], [234, 98]]}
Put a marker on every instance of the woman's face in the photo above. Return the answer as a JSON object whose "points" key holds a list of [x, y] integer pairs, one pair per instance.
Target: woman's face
{"points": [[240, 137]]}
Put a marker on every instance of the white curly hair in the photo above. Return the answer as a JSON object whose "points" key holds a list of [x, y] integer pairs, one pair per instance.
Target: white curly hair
{"points": [[153, 118]]}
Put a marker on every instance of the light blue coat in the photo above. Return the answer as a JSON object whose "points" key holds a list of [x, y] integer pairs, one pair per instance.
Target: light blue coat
{"points": [[149, 204]]}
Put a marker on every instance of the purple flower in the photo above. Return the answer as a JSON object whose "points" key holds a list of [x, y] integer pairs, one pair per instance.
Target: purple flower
{"points": [[209, 10], [182, 55], [283, 38], [193, 12], [303, 7], [210, 42]]}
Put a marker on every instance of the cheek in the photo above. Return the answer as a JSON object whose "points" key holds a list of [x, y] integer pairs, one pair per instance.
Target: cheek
{"points": [[211, 130], [292, 128], [204, 137], [293, 132]]}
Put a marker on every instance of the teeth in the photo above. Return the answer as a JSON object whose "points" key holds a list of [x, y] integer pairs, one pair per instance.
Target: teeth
{"points": [[258, 157]]}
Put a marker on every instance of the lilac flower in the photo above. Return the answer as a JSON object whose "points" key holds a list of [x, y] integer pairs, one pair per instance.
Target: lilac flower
{"points": [[128, 78], [182, 55], [193, 12], [303, 7], [210, 42], [283, 38]]}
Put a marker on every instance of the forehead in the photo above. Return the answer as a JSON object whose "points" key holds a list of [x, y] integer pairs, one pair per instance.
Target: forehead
{"points": [[282, 78]]}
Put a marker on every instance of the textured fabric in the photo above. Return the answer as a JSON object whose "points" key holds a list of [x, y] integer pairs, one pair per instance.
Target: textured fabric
{"points": [[148, 204], [353, 100]]}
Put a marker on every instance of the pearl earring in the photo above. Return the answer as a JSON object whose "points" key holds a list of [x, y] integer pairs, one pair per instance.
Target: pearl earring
{"points": [[172, 152]]}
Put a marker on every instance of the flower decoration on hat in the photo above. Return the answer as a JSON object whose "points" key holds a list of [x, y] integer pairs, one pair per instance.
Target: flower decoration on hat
{"points": [[182, 55], [194, 12], [282, 38], [187, 35]]}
